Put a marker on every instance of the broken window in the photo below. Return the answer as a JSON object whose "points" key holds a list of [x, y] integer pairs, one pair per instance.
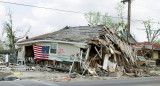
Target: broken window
{"points": [[53, 48], [84, 52]]}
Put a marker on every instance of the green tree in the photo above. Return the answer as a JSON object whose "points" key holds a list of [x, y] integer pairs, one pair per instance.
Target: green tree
{"points": [[8, 29], [157, 41], [121, 25], [107, 20], [11, 37], [151, 32], [96, 18], [1, 46]]}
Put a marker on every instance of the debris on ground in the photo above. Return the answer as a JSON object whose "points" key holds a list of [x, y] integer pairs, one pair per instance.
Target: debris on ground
{"points": [[109, 55], [3, 75], [10, 79]]}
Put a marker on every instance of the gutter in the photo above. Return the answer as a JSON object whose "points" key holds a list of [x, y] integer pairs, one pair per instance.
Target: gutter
{"points": [[77, 43]]}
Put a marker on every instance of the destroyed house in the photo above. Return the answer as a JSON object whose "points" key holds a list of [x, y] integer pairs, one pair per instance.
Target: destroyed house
{"points": [[83, 48], [149, 50], [60, 46]]}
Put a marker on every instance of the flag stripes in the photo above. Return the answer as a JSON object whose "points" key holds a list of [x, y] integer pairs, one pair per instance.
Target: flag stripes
{"points": [[41, 52]]}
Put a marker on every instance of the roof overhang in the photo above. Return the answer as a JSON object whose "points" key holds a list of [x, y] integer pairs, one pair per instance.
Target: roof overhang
{"points": [[29, 42]]}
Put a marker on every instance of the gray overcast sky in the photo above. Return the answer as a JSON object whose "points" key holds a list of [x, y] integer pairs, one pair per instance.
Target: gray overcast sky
{"points": [[44, 21]]}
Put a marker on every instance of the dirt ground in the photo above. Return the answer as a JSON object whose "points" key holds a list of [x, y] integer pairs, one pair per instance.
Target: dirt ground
{"points": [[63, 76], [41, 75], [56, 76]]}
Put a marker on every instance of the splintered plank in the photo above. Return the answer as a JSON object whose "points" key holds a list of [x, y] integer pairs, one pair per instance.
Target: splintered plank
{"points": [[98, 52]]}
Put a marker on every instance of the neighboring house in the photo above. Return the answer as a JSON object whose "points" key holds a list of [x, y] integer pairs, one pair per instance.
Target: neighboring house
{"points": [[149, 50], [5, 52], [3, 57], [59, 48]]}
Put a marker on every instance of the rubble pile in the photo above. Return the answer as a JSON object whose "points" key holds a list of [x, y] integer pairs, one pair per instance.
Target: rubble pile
{"points": [[3, 75], [110, 53]]}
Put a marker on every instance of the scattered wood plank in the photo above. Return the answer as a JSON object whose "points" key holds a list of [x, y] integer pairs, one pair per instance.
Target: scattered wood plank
{"points": [[98, 52]]}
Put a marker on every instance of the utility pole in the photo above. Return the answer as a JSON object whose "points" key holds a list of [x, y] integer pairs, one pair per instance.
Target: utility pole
{"points": [[129, 17]]}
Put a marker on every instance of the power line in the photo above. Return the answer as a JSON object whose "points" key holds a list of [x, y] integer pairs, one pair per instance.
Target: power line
{"points": [[141, 21], [145, 29], [41, 7], [49, 8], [133, 20]]}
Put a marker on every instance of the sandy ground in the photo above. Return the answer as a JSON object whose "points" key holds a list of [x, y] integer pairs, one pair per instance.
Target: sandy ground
{"points": [[41, 75]]}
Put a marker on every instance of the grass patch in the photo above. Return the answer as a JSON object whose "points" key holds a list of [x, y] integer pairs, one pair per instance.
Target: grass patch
{"points": [[157, 69]]}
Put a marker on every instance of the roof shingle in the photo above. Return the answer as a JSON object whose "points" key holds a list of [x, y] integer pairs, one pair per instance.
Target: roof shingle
{"points": [[81, 34]]}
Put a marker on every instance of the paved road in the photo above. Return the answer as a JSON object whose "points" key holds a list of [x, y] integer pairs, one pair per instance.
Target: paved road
{"points": [[147, 81], [27, 83]]}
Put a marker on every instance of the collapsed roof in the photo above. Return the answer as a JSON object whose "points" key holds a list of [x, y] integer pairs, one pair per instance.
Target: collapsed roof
{"points": [[80, 34]]}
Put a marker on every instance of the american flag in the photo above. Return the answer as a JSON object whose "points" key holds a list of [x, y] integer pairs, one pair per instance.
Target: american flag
{"points": [[41, 52]]}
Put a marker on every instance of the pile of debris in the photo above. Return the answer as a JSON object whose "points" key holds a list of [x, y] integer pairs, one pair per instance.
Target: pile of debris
{"points": [[3, 75], [110, 53]]}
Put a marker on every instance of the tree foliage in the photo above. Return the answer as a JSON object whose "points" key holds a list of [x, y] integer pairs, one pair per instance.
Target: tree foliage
{"points": [[96, 18], [121, 25], [11, 37], [157, 41], [8, 29], [151, 32], [1, 46]]}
